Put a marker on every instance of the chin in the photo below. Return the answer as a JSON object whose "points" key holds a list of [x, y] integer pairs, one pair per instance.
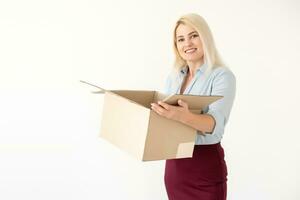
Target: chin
{"points": [[193, 59]]}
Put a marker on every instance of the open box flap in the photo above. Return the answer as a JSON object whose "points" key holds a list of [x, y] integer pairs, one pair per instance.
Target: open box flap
{"points": [[195, 102], [144, 97]]}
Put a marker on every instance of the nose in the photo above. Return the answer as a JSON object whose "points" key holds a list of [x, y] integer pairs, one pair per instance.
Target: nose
{"points": [[187, 42]]}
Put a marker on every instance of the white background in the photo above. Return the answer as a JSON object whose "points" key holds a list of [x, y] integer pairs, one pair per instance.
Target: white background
{"points": [[49, 122]]}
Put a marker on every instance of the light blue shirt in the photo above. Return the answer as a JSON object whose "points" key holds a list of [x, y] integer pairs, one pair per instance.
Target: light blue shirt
{"points": [[220, 81]]}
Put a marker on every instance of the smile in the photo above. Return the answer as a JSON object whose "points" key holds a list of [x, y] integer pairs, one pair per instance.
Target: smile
{"points": [[190, 50]]}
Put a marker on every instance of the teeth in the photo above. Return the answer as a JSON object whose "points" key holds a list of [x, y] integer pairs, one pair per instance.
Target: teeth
{"points": [[190, 50]]}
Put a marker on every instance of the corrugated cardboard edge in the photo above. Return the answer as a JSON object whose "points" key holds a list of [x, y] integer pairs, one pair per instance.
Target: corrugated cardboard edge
{"points": [[143, 156]]}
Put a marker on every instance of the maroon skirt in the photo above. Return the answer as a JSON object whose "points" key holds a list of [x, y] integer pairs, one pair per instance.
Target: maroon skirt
{"points": [[202, 177]]}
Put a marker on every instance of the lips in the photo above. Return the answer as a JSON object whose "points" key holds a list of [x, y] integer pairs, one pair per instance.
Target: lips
{"points": [[192, 50]]}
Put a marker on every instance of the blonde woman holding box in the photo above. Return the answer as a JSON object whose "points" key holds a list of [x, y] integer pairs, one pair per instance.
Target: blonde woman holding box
{"points": [[199, 71]]}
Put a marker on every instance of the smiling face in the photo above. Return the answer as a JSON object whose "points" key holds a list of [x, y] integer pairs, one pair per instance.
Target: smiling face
{"points": [[188, 43]]}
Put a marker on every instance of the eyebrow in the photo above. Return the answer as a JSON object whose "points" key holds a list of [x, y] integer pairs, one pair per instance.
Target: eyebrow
{"points": [[188, 34]]}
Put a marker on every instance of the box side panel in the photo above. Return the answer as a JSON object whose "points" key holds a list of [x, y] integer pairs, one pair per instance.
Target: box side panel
{"points": [[141, 97], [168, 139], [124, 124]]}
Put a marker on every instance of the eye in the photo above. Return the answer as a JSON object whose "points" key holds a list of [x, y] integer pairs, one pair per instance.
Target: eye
{"points": [[180, 40], [195, 35]]}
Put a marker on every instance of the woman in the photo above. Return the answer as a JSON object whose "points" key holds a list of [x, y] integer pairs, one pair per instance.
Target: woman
{"points": [[198, 71]]}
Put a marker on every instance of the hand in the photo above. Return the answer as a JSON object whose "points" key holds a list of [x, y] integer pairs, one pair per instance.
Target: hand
{"points": [[176, 113]]}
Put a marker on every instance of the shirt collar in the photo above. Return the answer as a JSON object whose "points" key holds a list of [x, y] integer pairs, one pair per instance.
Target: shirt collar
{"points": [[201, 69]]}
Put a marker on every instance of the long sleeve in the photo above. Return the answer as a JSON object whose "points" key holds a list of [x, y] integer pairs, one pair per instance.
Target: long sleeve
{"points": [[224, 84]]}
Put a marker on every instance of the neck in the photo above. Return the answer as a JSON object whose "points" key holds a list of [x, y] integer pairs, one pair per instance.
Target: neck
{"points": [[193, 66]]}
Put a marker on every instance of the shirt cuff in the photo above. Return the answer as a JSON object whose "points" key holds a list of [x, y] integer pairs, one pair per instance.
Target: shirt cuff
{"points": [[218, 129]]}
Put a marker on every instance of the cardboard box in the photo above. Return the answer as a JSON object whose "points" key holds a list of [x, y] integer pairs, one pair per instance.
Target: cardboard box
{"points": [[129, 123]]}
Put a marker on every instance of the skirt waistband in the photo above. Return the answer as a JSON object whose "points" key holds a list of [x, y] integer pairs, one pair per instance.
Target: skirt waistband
{"points": [[207, 146]]}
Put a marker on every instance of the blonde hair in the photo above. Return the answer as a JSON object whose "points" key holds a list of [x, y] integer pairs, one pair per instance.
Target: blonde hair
{"points": [[211, 55]]}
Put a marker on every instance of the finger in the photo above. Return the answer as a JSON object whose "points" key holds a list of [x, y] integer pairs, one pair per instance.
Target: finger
{"points": [[157, 107], [164, 105], [153, 104], [160, 113], [160, 109], [182, 103], [155, 110]]}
